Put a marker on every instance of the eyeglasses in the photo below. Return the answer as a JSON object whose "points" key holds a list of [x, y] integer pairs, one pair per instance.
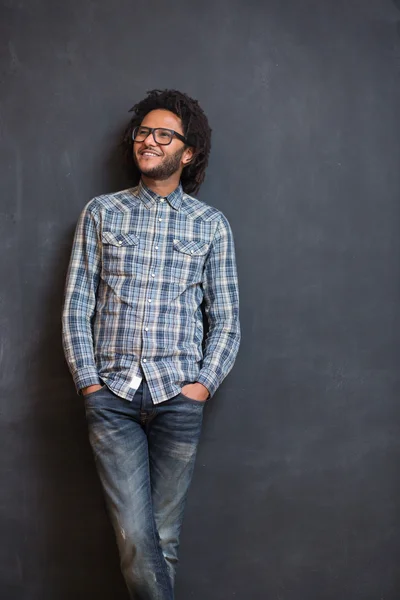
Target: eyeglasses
{"points": [[161, 135]]}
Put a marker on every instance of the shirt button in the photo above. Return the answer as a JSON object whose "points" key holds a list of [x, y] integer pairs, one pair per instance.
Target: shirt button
{"points": [[161, 199], [160, 219], [119, 243], [152, 275], [156, 247], [191, 252], [146, 328], [149, 299], [144, 360]]}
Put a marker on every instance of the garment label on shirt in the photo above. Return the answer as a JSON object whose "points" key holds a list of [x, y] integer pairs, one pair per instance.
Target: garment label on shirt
{"points": [[135, 382]]}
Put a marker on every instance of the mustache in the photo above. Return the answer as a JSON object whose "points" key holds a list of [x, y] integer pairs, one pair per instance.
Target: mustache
{"points": [[150, 150]]}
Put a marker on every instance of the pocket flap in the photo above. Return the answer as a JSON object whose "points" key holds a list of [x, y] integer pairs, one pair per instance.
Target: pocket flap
{"points": [[191, 247], [119, 239]]}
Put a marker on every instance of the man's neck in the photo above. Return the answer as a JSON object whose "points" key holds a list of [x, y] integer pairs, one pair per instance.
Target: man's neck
{"points": [[162, 188]]}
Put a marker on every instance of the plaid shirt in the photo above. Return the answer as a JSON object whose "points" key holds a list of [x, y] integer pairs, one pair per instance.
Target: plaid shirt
{"points": [[140, 268]]}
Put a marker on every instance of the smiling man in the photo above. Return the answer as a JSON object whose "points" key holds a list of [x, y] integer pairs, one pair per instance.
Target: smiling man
{"points": [[144, 263]]}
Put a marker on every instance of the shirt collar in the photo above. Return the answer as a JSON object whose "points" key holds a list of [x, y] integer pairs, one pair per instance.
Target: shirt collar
{"points": [[148, 197]]}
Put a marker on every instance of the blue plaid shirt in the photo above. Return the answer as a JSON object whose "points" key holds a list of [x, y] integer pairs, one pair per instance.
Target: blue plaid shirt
{"points": [[140, 269]]}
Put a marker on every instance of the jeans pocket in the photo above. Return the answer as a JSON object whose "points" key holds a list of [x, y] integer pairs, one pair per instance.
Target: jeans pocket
{"points": [[87, 398], [193, 400]]}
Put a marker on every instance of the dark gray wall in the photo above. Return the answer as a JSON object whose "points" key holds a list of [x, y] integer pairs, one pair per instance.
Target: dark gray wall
{"points": [[296, 493]]}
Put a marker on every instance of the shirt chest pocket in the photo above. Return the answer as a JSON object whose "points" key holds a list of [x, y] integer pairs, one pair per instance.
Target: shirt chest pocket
{"points": [[188, 258], [120, 253]]}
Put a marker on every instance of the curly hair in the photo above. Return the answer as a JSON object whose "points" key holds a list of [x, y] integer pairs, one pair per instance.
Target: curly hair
{"points": [[195, 126]]}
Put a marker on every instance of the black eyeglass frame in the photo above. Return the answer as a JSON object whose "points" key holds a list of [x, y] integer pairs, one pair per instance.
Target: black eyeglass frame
{"points": [[153, 129]]}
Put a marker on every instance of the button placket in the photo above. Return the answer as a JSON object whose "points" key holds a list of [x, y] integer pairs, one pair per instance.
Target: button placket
{"points": [[159, 219], [154, 261]]}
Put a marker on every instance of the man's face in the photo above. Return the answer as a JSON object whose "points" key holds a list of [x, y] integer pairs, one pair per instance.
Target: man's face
{"points": [[161, 161]]}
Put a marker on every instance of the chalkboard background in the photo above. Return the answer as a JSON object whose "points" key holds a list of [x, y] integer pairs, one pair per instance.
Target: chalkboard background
{"points": [[296, 491]]}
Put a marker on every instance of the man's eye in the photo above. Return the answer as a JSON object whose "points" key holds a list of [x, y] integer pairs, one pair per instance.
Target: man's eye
{"points": [[164, 134], [142, 130]]}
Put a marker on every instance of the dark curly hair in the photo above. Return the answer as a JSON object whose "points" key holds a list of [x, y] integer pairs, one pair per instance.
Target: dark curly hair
{"points": [[195, 126]]}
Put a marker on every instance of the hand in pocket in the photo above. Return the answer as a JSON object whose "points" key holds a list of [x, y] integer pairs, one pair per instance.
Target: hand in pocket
{"points": [[195, 391]]}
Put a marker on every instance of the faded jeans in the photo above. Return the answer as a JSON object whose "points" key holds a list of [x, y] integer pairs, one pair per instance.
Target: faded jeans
{"points": [[145, 456]]}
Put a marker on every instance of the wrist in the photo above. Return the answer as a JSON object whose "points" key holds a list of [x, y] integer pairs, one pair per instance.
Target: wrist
{"points": [[203, 389]]}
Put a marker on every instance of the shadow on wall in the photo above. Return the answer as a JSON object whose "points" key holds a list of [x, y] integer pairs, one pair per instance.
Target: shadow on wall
{"points": [[81, 559]]}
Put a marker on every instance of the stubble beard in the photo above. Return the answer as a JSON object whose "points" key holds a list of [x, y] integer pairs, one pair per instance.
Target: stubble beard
{"points": [[167, 168]]}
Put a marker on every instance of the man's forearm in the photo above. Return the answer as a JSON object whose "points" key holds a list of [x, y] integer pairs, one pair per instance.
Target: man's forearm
{"points": [[219, 356], [82, 365], [221, 295]]}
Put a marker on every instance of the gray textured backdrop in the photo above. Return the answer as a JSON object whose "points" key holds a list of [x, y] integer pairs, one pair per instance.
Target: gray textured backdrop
{"points": [[296, 490]]}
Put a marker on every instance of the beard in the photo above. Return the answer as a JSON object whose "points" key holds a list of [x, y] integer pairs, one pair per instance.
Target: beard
{"points": [[168, 166]]}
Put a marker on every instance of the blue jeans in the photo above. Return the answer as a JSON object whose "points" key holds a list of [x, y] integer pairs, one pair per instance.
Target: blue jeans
{"points": [[145, 456]]}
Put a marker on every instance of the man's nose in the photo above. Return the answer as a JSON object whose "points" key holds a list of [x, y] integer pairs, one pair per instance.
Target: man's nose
{"points": [[150, 140]]}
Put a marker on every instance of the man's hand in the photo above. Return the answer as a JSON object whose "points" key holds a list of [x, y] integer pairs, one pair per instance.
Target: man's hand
{"points": [[195, 391], [90, 389]]}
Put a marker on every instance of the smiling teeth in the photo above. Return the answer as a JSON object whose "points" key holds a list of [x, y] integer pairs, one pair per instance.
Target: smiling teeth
{"points": [[149, 154]]}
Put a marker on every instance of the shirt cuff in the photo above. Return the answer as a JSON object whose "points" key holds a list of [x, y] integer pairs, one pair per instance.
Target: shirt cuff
{"points": [[85, 377], [209, 380]]}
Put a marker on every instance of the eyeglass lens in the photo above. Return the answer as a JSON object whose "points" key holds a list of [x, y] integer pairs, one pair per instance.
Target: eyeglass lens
{"points": [[161, 136]]}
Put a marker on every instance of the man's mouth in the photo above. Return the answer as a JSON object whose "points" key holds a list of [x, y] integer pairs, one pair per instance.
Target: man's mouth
{"points": [[149, 153]]}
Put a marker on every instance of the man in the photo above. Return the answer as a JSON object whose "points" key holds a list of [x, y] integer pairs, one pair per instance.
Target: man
{"points": [[144, 261]]}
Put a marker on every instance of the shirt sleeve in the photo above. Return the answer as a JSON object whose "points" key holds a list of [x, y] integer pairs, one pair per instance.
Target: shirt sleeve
{"points": [[80, 301], [221, 297]]}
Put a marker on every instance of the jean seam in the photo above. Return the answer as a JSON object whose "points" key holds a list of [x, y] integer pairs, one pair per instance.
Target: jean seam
{"points": [[158, 549], [162, 567]]}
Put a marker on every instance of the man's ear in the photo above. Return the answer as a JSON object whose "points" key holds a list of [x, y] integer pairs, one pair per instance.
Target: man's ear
{"points": [[190, 154]]}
